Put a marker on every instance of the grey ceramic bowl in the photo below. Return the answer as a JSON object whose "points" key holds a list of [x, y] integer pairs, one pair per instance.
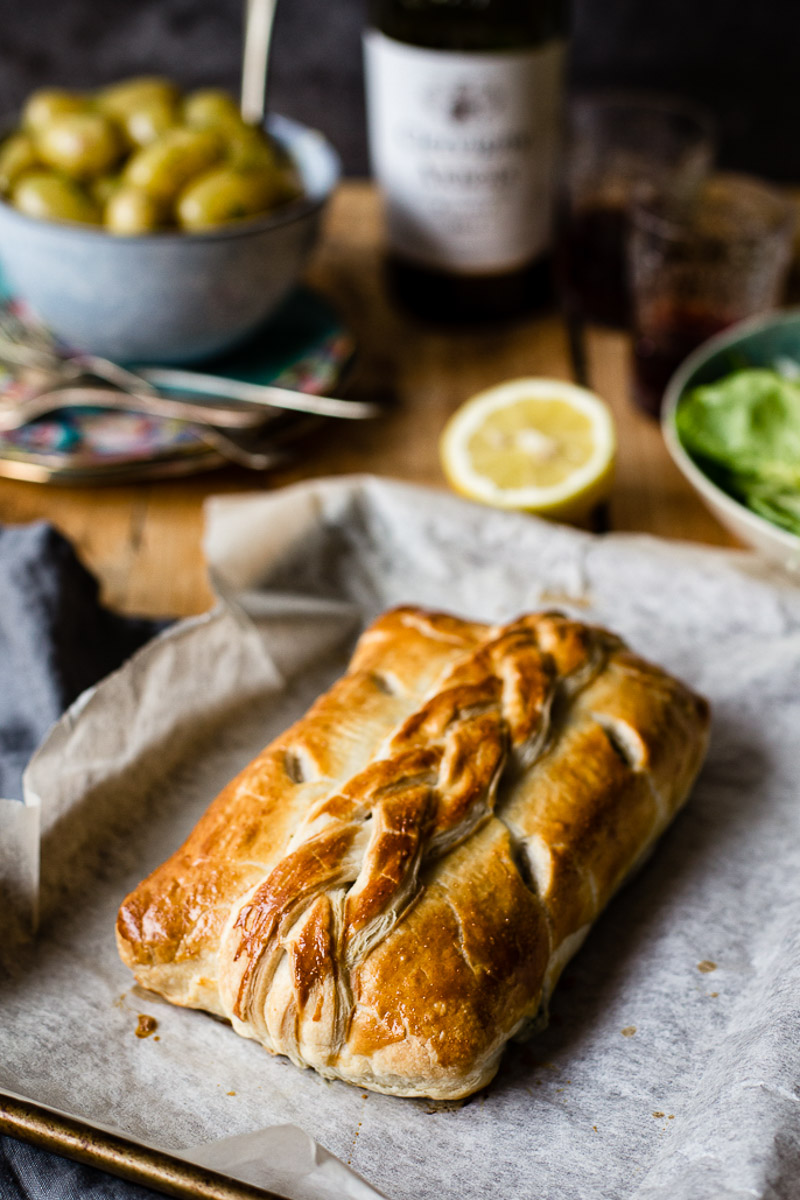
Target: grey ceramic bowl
{"points": [[169, 297], [758, 342]]}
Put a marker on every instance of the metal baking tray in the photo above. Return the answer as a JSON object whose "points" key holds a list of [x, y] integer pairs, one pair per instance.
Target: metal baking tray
{"points": [[119, 1155]]}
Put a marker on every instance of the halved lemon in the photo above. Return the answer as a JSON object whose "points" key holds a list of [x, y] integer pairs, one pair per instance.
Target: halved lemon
{"points": [[541, 445]]}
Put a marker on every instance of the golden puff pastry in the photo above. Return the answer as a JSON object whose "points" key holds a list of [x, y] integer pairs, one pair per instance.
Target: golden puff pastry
{"points": [[389, 892]]}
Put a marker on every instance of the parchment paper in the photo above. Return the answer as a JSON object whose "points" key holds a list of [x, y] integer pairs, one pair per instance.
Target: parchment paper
{"points": [[671, 1064]]}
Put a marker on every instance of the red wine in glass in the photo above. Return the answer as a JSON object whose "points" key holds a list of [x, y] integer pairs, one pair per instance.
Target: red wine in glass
{"points": [[673, 330], [590, 263]]}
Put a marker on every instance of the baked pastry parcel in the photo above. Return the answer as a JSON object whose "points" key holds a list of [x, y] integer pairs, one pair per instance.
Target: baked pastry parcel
{"points": [[390, 890]]}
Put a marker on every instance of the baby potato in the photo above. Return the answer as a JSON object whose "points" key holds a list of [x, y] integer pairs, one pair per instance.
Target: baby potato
{"points": [[211, 108], [52, 197], [147, 122], [249, 147], [138, 156], [17, 155], [102, 188], [165, 166], [79, 144], [131, 210], [44, 105], [122, 98], [224, 195]]}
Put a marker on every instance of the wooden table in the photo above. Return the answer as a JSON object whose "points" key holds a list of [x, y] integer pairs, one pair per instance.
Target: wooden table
{"points": [[143, 541]]}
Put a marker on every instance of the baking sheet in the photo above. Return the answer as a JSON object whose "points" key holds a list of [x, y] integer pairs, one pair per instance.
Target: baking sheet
{"points": [[671, 1063]]}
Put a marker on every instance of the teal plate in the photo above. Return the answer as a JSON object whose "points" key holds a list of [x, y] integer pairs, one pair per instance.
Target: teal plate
{"points": [[304, 347]]}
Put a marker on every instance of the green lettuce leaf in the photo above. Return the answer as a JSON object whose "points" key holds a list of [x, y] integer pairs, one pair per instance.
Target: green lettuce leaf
{"points": [[779, 505], [744, 432], [748, 422]]}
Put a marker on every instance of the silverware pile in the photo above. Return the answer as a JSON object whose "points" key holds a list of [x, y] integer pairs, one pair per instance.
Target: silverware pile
{"points": [[215, 408]]}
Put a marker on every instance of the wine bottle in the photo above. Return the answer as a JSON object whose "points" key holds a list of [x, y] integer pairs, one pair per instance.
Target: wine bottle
{"points": [[464, 105]]}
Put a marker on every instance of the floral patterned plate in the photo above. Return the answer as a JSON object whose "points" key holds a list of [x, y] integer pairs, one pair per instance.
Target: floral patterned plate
{"points": [[304, 346]]}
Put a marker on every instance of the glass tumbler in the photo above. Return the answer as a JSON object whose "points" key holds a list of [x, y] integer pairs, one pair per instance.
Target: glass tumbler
{"points": [[698, 268], [619, 145]]}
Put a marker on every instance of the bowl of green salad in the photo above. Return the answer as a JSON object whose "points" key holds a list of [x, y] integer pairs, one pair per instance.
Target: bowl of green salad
{"points": [[731, 421]]}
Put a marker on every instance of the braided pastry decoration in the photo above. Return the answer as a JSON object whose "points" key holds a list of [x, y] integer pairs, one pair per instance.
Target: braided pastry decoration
{"points": [[420, 908]]}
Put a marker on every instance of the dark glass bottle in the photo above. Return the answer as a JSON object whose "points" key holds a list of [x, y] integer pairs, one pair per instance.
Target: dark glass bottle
{"points": [[464, 103]]}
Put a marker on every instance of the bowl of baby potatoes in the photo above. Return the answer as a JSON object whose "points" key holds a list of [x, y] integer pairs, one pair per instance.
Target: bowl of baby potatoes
{"points": [[144, 224]]}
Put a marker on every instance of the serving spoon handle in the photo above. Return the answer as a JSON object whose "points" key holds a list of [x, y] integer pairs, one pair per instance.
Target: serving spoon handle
{"points": [[259, 16]]}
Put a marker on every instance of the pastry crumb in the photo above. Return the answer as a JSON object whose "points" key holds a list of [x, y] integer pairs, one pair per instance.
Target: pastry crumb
{"points": [[146, 1025], [628, 1031], [659, 1115], [706, 965]]}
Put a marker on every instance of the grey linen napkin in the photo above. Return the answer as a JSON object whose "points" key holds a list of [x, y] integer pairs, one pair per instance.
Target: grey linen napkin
{"points": [[56, 639]]}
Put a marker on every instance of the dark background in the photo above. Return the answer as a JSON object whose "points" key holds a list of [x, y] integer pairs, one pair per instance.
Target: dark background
{"points": [[741, 59]]}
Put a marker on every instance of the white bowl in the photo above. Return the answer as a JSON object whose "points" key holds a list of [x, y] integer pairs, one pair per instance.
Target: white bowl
{"points": [[760, 342]]}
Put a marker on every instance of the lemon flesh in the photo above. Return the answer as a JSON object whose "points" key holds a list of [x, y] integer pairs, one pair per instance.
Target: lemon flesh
{"points": [[535, 444]]}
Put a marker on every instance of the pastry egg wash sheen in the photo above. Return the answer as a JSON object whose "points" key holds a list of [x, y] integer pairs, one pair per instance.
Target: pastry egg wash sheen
{"points": [[464, 106]]}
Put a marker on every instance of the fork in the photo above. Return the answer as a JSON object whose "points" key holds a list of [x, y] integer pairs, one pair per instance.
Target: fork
{"points": [[35, 406], [16, 411], [31, 348]]}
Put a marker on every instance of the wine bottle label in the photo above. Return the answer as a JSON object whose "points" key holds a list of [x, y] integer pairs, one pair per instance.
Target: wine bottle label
{"points": [[464, 146]]}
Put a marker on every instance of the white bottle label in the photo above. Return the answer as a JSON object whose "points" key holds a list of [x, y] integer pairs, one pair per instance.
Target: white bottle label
{"points": [[465, 148]]}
